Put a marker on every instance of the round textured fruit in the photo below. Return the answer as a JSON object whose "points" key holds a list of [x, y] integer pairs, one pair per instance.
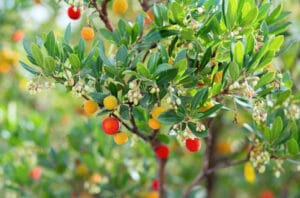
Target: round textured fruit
{"points": [[193, 144], [110, 102], [120, 6], [120, 138], [4, 67], [149, 17], [249, 173], [96, 178], [17, 36], [156, 111], [35, 173], [90, 107], [153, 194], [155, 184], [87, 33], [206, 106], [81, 170], [223, 147], [267, 194], [110, 126], [74, 12], [162, 151], [154, 124]]}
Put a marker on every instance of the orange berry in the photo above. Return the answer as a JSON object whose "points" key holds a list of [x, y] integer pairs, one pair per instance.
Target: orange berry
{"points": [[153, 194], [223, 147], [206, 106], [87, 33], [154, 124], [218, 77], [149, 17], [96, 178], [4, 67], [120, 6], [110, 102], [90, 107], [120, 138], [17, 36], [156, 111]]}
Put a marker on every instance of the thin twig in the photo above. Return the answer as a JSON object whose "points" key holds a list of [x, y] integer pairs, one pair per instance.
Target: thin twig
{"points": [[145, 5], [102, 12], [202, 174]]}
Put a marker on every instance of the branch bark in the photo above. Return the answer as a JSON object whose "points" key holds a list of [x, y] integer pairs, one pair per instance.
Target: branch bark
{"points": [[102, 12], [145, 5]]}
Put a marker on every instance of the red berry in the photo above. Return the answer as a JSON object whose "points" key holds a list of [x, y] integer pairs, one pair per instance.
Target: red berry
{"points": [[74, 12], [267, 194], [162, 151], [155, 184], [36, 173], [193, 144], [110, 126]]}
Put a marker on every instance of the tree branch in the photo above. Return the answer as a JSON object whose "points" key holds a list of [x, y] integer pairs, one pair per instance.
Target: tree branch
{"points": [[203, 173], [145, 5], [102, 12]]}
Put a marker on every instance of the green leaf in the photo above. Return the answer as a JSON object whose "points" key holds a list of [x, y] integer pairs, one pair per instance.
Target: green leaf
{"points": [[277, 128], [50, 64], [50, 44], [141, 69], [275, 13], [238, 53], [98, 97], [30, 69], [122, 54], [250, 18], [67, 35], [234, 71], [293, 146], [267, 134], [163, 138], [276, 43], [206, 58], [231, 13], [170, 117], [199, 99], [178, 12], [187, 34], [37, 55], [294, 130], [265, 79], [124, 112], [209, 112], [108, 35], [166, 76], [74, 61]]}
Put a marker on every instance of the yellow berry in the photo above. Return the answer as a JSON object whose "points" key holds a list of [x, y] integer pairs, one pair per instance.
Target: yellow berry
{"points": [[206, 106], [96, 178], [4, 67], [82, 170], [120, 138], [249, 173], [87, 33], [153, 194], [218, 77], [154, 124], [110, 102], [156, 111], [90, 107], [120, 6]]}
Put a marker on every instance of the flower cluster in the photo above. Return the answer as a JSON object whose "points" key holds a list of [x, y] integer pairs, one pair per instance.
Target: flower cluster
{"points": [[292, 112], [134, 94], [173, 100], [35, 86], [259, 111], [244, 89], [259, 157], [80, 88]]}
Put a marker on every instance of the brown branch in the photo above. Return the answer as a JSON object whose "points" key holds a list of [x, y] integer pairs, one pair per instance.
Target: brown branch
{"points": [[161, 177], [145, 5], [102, 12], [204, 173]]}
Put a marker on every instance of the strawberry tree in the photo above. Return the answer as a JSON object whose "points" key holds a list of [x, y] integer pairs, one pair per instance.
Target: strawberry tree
{"points": [[173, 72]]}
